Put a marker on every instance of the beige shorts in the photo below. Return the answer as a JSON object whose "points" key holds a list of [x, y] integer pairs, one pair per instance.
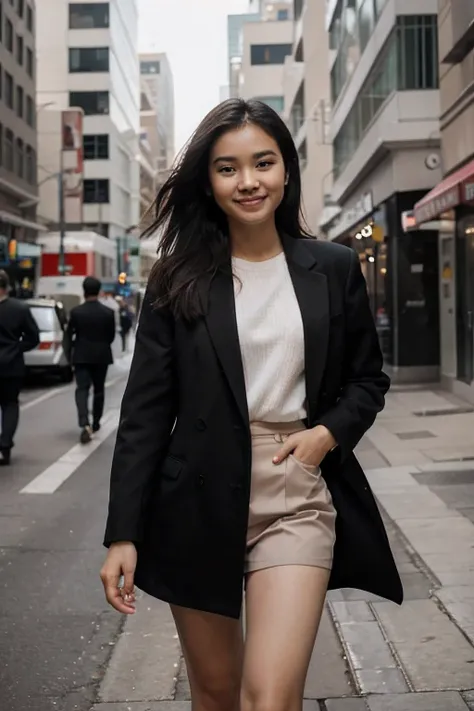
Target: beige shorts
{"points": [[291, 514]]}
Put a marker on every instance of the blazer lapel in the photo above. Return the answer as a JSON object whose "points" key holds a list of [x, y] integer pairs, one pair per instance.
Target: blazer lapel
{"points": [[311, 291], [221, 323]]}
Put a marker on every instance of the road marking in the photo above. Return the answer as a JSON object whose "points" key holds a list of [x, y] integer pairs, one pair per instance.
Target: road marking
{"points": [[57, 473]]}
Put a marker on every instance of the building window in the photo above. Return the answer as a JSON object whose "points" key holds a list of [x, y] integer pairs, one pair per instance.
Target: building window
{"points": [[417, 37], [409, 61], [9, 89], [86, 16], [96, 147], [379, 6], [30, 112], [365, 21], [275, 102], [92, 102], [8, 149], [96, 191], [20, 48], [20, 158], [29, 62], [282, 15], [149, 66], [20, 101], [89, 59], [21, 8], [269, 53], [9, 35], [29, 18], [30, 165]]}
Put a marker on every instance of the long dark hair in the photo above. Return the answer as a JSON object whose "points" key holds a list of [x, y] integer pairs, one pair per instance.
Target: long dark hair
{"points": [[191, 228]]}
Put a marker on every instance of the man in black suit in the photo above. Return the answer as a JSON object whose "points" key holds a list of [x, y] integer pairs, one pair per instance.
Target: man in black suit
{"points": [[18, 333], [89, 336]]}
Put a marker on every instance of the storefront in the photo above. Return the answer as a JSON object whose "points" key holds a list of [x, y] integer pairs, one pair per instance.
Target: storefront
{"points": [[401, 270], [451, 205]]}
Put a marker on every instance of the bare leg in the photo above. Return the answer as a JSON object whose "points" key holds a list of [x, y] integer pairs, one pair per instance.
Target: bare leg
{"points": [[283, 606], [213, 650]]}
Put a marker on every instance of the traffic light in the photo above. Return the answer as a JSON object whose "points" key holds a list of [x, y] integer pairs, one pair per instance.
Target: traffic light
{"points": [[122, 278]]}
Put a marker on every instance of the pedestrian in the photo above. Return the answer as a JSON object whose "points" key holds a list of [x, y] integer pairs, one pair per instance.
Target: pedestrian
{"points": [[126, 323], [88, 340], [256, 372], [18, 334]]}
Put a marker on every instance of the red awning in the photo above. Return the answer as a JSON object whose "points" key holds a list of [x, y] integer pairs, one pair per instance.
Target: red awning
{"points": [[454, 190]]}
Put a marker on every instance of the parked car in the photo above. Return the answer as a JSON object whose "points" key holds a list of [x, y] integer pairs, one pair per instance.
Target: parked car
{"points": [[48, 356]]}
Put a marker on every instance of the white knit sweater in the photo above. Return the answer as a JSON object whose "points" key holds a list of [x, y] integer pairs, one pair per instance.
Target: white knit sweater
{"points": [[271, 340]]}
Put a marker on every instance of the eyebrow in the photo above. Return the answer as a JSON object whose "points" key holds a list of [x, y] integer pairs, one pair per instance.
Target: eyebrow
{"points": [[256, 156]]}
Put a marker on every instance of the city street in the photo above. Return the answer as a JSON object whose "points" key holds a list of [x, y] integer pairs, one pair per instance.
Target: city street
{"points": [[62, 648]]}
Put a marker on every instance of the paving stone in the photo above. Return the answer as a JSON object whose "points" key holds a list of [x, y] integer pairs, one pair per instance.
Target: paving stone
{"points": [[349, 594], [366, 645], [457, 577], [433, 652], [415, 585], [468, 697], [346, 705], [459, 602], [356, 611], [468, 513], [454, 561], [328, 673], [434, 701], [381, 681], [437, 536], [311, 705], [145, 660]]}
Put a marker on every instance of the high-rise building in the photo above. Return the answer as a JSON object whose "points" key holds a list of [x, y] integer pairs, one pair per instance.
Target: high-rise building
{"points": [[449, 207], [384, 130], [88, 58], [307, 106], [259, 44], [18, 180], [157, 90]]}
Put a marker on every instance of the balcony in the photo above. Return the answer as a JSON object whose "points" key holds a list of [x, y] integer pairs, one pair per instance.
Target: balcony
{"points": [[408, 118]]}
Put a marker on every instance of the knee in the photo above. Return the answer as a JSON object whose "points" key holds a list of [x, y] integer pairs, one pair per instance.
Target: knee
{"points": [[217, 694], [269, 700]]}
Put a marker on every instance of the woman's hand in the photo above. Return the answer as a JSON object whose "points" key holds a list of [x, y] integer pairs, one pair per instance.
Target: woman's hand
{"points": [[121, 560], [308, 446]]}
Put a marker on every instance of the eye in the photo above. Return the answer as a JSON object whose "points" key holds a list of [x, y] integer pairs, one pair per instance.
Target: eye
{"points": [[265, 164], [226, 170]]}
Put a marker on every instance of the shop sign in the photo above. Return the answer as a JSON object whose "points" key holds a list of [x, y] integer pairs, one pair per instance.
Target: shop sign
{"points": [[437, 205], [352, 216]]}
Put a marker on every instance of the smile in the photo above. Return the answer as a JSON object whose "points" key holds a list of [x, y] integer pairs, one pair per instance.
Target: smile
{"points": [[251, 202]]}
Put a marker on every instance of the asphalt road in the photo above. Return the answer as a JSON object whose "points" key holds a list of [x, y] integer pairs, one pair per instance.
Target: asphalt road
{"points": [[56, 630]]}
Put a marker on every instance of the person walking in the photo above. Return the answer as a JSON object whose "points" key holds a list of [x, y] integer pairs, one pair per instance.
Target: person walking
{"points": [[89, 337], [18, 334], [256, 371], [126, 323]]}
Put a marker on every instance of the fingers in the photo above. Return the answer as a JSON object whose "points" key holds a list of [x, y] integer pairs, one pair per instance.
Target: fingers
{"points": [[285, 449], [120, 601]]}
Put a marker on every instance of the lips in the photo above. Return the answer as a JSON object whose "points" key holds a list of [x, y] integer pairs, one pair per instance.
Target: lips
{"points": [[248, 202]]}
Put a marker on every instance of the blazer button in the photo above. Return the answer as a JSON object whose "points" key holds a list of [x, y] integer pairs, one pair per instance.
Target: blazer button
{"points": [[201, 480], [200, 425]]}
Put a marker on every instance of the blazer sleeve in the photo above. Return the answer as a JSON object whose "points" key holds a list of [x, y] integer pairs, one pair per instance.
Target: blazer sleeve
{"points": [[31, 336], [364, 382], [147, 417]]}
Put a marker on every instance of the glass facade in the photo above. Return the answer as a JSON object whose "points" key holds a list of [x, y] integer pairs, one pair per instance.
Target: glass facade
{"points": [[275, 102], [409, 61], [269, 53], [351, 28]]}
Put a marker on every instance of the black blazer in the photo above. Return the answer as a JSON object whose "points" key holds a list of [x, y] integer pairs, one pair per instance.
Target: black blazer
{"points": [[90, 333], [18, 334], [181, 470]]}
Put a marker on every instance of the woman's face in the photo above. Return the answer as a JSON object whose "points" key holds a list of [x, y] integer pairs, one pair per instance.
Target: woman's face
{"points": [[247, 175]]}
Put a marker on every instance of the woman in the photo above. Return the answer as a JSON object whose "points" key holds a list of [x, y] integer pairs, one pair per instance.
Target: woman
{"points": [[256, 372]]}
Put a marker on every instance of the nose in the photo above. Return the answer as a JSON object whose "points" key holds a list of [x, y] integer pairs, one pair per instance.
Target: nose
{"points": [[248, 181]]}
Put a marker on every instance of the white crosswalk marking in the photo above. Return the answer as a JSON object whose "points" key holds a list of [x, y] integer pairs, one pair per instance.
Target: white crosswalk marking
{"points": [[57, 473]]}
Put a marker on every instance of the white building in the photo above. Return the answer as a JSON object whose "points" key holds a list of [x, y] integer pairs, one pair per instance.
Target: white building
{"points": [[259, 42], [307, 106], [87, 57], [157, 85]]}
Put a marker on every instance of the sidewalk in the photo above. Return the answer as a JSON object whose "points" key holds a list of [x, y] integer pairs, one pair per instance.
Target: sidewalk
{"points": [[371, 655]]}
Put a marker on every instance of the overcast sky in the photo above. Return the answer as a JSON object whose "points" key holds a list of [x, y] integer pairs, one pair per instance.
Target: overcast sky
{"points": [[194, 35]]}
